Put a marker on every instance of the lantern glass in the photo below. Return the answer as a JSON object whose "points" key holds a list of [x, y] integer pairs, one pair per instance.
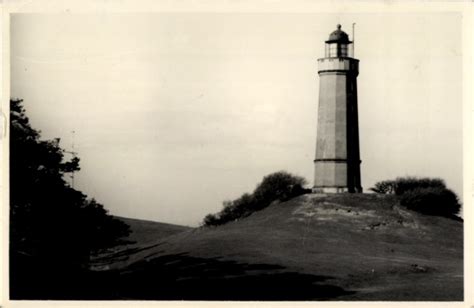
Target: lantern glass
{"points": [[337, 50]]}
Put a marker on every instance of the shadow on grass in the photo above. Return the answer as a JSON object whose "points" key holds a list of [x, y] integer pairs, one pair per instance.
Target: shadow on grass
{"points": [[182, 277], [178, 277]]}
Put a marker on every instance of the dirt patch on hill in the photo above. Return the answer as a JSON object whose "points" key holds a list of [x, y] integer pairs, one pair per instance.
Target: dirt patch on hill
{"points": [[317, 208], [325, 210]]}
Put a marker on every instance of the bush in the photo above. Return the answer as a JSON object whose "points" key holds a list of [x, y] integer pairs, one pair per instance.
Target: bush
{"points": [[431, 200], [384, 187], [425, 195], [401, 185], [405, 184], [211, 220], [280, 185]]}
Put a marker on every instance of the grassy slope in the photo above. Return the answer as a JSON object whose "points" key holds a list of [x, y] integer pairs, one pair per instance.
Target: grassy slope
{"points": [[143, 235], [145, 231], [312, 247]]}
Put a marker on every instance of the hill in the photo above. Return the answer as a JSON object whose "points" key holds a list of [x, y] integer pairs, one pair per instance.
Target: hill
{"points": [[314, 247], [145, 231]]}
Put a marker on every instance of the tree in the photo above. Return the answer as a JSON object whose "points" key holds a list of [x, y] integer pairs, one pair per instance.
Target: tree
{"points": [[51, 224]]}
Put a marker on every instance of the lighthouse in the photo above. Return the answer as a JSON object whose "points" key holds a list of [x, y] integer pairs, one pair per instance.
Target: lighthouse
{"points": [[337, 160]]}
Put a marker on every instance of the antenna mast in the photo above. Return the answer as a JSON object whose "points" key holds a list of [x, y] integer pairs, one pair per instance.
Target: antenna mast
{"points": [[353, 39], [73, 154]]}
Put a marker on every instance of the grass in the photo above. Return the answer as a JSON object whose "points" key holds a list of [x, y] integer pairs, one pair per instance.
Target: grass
{"points": [[344, 247], [145, 231], [314, 247]]}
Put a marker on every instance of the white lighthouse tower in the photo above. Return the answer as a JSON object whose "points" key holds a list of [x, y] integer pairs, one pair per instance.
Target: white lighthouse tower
{"points": [[337, 161]]}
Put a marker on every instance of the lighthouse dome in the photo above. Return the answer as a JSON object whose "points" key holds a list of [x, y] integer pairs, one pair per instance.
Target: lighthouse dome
{"points": [[338, 36]]}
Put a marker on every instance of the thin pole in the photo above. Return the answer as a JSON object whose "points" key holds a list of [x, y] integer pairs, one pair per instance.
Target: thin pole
{"points": [[353, 39], [74, 156]]}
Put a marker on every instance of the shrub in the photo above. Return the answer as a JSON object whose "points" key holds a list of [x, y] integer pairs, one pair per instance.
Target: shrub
{"points": [[384, 187], [425, 195], [405, 184], [431, 200], [280, 185], [277, 186], [211, 220]]}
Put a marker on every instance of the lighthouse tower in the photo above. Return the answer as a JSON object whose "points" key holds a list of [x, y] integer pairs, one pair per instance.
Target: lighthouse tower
{"points": [[337, 161]]}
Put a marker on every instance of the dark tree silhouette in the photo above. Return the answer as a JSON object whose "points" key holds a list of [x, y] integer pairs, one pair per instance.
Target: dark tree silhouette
{"points": [[54, 228]]}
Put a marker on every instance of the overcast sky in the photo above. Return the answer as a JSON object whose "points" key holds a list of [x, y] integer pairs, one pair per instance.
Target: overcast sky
{"points": [[175, 113]]}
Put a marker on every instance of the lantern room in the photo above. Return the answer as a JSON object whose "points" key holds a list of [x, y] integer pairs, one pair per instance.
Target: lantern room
{"points": [[338, 44]]}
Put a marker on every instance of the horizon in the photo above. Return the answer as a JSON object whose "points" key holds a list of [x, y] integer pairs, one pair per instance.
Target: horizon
{"points": [[166, 107]]}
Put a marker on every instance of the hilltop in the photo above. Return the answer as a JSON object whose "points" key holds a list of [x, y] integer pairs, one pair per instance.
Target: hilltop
{"points": [[313, 247]]}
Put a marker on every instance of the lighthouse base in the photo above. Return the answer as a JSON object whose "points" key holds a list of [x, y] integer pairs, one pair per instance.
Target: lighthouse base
{"points": [[333, 190], [329, 190]]}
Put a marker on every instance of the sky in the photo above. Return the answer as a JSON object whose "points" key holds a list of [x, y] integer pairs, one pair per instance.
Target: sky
{"points": [[174, 113]]}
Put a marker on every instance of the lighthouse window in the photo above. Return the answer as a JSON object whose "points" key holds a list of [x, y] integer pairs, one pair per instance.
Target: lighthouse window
{"points": [[343, 52], [336, 50], [333, 50]]}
